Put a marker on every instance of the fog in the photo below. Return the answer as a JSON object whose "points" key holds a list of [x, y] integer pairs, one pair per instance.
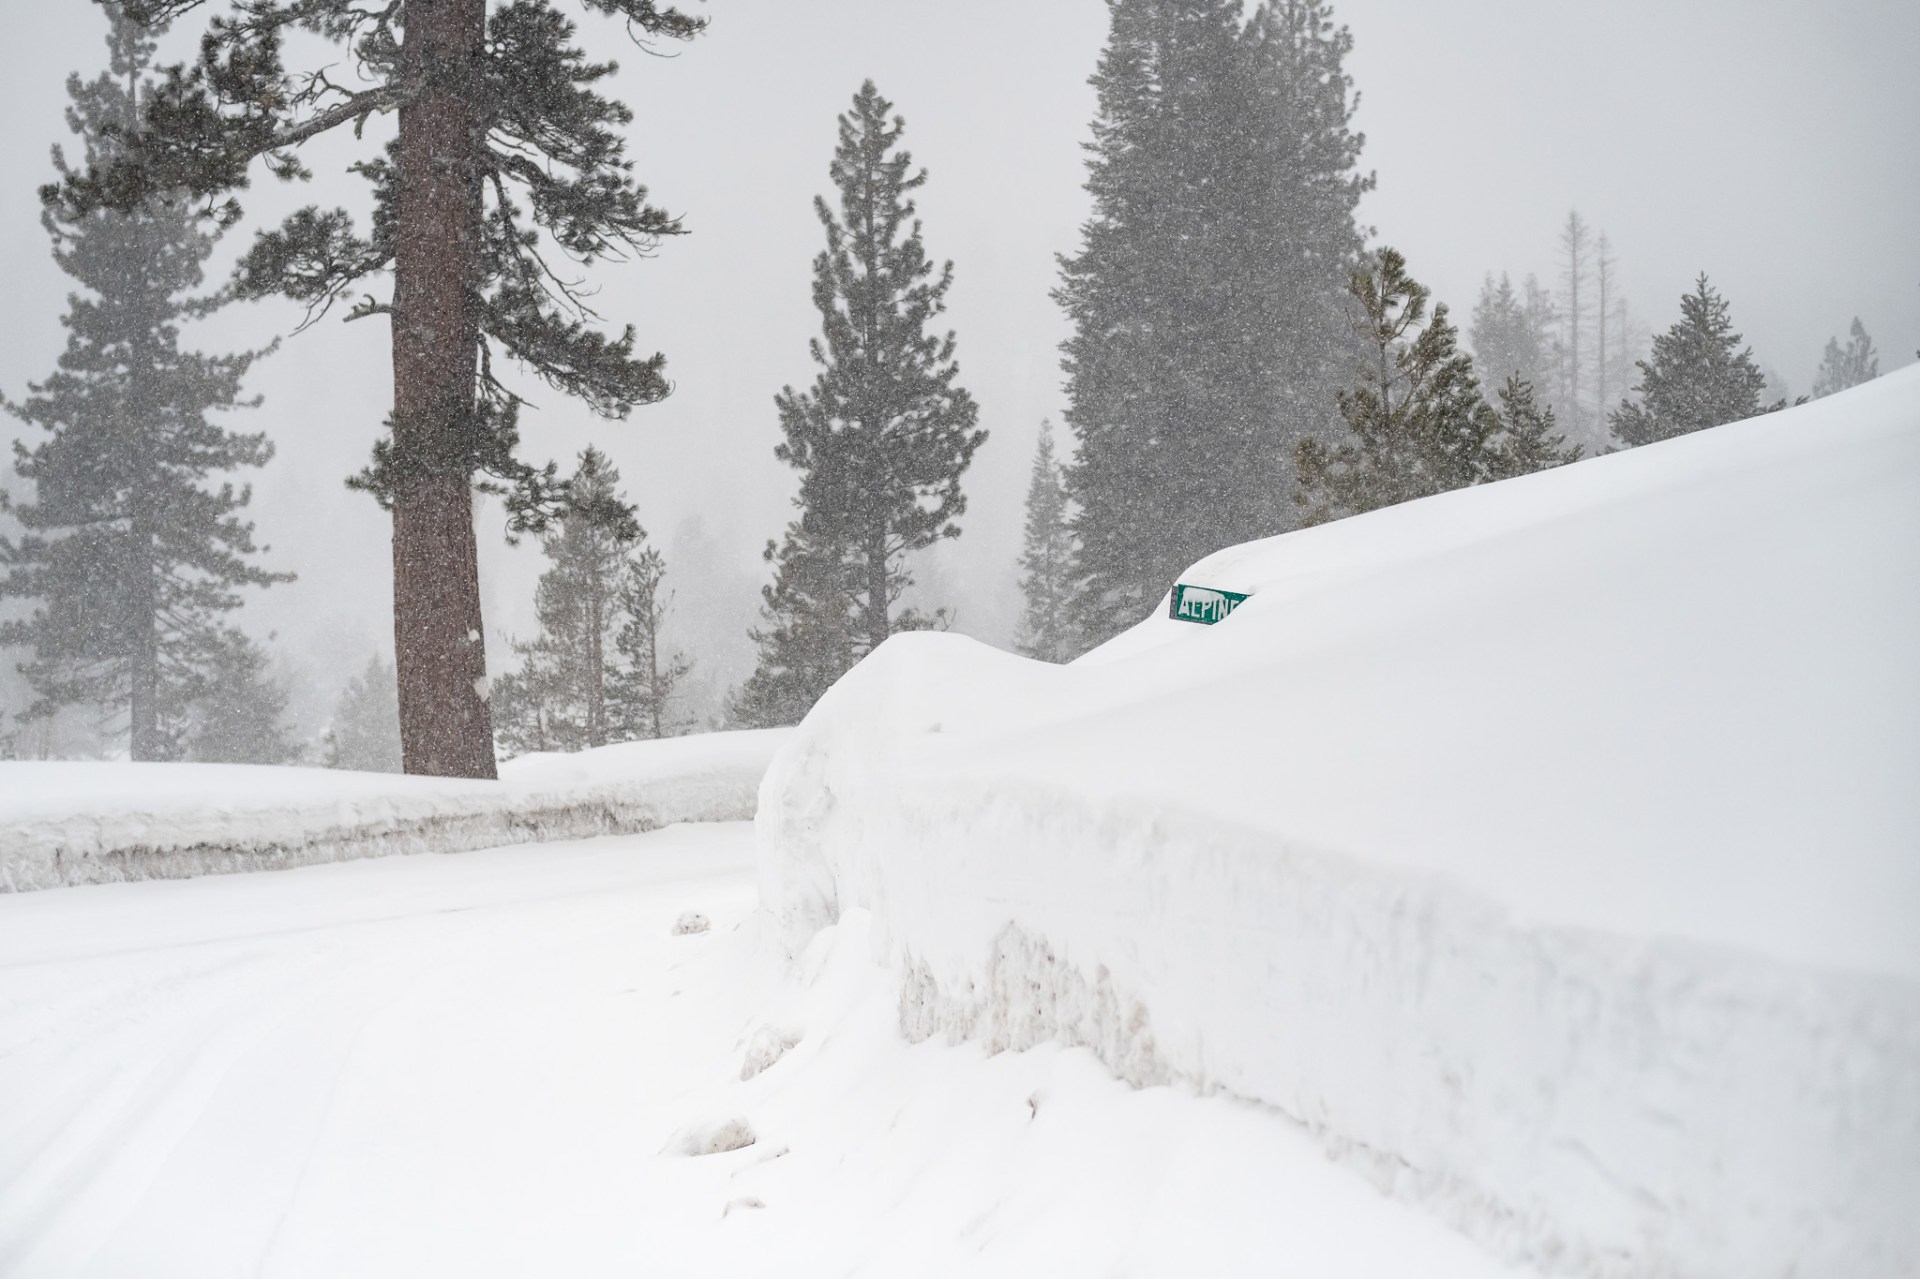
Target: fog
{"points": [[1769, 144]]}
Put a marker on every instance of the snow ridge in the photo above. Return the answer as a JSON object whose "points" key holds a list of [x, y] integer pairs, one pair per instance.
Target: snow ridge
{"points": [[1547, 848], [69, 824], [1586, 1103]]}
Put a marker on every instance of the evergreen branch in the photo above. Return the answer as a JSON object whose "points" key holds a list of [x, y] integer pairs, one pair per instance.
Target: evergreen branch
{"points": [[186, 143], [649, 17], [313, 257], [572, 358]]}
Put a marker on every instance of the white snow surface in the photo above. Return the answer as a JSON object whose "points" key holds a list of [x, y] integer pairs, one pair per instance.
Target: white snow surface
{"points": [[1550, 849], [506, 1064], [67, 823]]}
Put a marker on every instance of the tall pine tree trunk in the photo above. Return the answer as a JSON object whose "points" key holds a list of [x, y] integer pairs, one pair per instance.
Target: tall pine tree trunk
{"points": [[1573, 241], [144, 741], [654, 695], [446, 728], [596, 665]]}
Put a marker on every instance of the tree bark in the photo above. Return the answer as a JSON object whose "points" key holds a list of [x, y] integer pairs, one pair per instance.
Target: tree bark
{"points": [[143, 668], [144, 739], [446, 728]]}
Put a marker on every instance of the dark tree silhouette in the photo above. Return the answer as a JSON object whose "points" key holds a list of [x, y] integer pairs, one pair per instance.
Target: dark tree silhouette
{"points": [[1697, 376], [1416, 424], [882, 437], [508, 169]]}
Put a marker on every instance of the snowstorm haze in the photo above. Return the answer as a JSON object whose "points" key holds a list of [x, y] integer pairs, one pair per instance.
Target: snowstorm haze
{"points": [[1767, 144]]}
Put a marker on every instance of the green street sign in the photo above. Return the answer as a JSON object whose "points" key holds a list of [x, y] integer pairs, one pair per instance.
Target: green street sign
{"points": [[1202, 604]]}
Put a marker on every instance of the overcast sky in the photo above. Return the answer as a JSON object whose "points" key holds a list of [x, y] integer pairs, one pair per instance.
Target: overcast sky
{"points": [[1769, 143]]}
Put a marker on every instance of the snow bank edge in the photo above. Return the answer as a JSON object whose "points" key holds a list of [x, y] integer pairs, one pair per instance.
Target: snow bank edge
{"points": [[1584, 1102], [120, 845]]}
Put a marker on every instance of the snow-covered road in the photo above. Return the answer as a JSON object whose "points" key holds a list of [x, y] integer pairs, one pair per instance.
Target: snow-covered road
{"points": [[476, 1065]]}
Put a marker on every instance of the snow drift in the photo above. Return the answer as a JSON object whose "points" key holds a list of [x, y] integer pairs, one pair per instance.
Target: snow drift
{"points": [[88, 823], [1551, 849]]}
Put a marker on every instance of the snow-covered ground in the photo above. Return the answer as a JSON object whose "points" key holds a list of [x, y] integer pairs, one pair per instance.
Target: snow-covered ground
{"points": [[1551, 849], [487, 1064], [1531, 873], [87, 823]]}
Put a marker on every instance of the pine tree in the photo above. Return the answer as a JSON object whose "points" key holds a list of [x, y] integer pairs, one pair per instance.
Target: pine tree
{"points": [[1625, 347], [1696, 378], [240, 715], [810, 638], [1511, 332], [1046, 633], [131, 551], [1295, 244], [1842, 368], [558, 699], [642, 691], [1576, 239], [1207, 297], [882, 437], [1604, 271], [1527, 442], [1417, 424], [507, 171], [365, 733]]}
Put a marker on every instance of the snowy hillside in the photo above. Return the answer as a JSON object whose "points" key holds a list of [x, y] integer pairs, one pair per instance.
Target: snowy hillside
{"points": [[83, 823], [1550, 849]]}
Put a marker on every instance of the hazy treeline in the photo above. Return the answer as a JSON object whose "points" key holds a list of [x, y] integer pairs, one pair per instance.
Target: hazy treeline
{"points": [[1241, 362]]}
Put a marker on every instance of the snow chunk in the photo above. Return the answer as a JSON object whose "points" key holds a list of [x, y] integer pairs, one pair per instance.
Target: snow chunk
{"points": [[711, 1138], [768, 1045]]}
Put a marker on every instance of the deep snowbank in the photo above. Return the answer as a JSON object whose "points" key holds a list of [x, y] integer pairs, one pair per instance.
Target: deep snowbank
{"points": [[488, 1066], [1551, 849], [89, 823]]}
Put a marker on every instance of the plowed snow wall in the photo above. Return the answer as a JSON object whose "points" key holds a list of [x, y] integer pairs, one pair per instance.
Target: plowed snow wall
{"points": [[288, 818], [1588, 1103]]}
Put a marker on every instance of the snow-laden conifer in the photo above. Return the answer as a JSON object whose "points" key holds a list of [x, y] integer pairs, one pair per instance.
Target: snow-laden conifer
{"points": [[1697, 376], [1843, 367], [1528, 441], [365, 733], [133, 547], [1207, 293], [880, 439], [643, 687], [1416, 424], [557, 699], [1046, 585], [595, 673], [508, 173], [240, 716], [1512, 333]]}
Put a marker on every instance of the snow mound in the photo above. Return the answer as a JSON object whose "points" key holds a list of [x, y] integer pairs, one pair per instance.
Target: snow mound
{"points": [[768, 1045], [712, 1139], [88, 823], [1549, 849]]}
